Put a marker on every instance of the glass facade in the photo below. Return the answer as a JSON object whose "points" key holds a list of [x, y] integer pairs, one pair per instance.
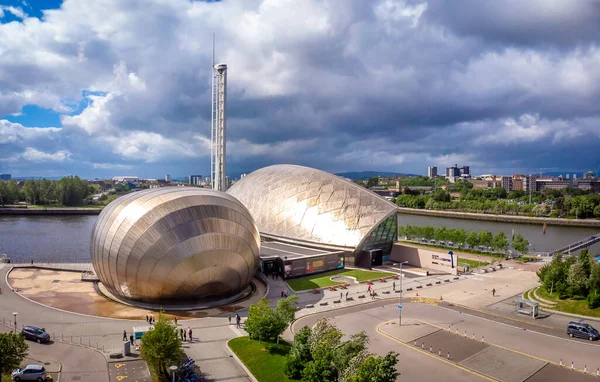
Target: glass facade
{"points": [[382, 237]]}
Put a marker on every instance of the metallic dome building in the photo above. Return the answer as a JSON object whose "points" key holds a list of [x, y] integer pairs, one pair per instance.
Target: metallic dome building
{"points": [[306, 206], [175, 243]]}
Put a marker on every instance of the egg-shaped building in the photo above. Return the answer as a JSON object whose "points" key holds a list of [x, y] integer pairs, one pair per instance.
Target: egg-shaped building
{"points": [[302, 205], [175, 244]]}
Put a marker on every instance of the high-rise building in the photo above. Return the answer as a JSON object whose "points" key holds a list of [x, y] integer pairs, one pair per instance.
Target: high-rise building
{"points": [[452, 172], [589, 175], [464, 171], [218, 127], [529, 183], [507, 183], [5, 177], [195, 180], [168, 178], [432, 171], [574, 176]]}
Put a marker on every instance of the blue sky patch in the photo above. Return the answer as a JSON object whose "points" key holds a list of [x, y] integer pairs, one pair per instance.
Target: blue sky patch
{"points": [[35, 116], [32, 8]]}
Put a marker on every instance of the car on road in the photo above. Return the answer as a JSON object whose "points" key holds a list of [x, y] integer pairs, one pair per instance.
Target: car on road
{"points": [[33, 333], [29, 373], [582, 330]]}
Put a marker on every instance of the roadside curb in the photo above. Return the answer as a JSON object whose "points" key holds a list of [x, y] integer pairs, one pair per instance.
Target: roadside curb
{"points": [[239, 361]]}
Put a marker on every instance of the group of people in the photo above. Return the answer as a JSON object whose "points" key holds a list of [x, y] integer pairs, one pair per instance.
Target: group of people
{"points": [[150, 319], [186, 335], [371, 291], [238, 321]]}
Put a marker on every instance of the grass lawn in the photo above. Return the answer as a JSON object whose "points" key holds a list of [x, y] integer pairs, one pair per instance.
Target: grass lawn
{"points": [[568, 305], [265, 365], [322, 279], [472, 263]]}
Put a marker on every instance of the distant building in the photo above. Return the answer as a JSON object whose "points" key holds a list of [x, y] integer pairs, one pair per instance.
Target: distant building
{"points": [[574, 176], [465, 171], [125, 179], [589, 184], [168, 178], [432, 172], [554, 183], [589, 175], [195, 180], [529, 183], [5, 177], [507, 183], [567, 176], [518, 182]]}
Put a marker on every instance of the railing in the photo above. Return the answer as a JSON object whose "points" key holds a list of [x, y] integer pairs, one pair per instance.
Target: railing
{"points": [[588, 241]]}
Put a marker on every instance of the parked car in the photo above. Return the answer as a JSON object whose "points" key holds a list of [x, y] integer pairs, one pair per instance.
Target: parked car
{"points": [[33, 333], [29, 373], [582, 330]]}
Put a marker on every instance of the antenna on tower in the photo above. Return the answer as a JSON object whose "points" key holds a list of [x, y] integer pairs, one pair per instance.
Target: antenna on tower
{"points": [[213, 62]]}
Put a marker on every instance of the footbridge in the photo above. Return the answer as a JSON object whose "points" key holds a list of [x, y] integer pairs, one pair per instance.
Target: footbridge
{"points": [[583, 243]]}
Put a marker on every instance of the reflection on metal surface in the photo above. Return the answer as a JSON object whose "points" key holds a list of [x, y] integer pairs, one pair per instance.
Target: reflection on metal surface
{"points": [[309, 205], [175, 243]]}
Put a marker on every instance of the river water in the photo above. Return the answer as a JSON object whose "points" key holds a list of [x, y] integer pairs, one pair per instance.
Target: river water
{"points": [[67, 238]]}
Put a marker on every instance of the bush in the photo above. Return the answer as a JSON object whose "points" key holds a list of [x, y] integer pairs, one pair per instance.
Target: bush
{"points": [[593, 300]]}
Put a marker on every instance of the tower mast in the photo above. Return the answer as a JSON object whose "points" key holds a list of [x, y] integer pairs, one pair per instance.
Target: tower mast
{"points": [[218, 125]]}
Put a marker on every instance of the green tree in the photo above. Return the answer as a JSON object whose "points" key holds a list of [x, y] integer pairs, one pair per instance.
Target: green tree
{"points": [[347, 350], [586, 260], [13, 350], [577, 279], [520, 244], [461, 236], [500, 241], [380, 369], [594, 281], [485, 238], [3, 193], [72, 191], [161, 347], [265, 323], [32, 191], [14, 195], [472, 239], [299, 354]]}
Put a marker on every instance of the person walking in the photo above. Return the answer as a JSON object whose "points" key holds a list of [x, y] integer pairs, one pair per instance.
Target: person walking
{"points": [[124, 335], [190, 333], [229, 320], [131, 339], [184, 334], [282, 292], [394, 286], [494, 292], [237, 320], [369, 288], [181, 333], [146, 318], [346, 295], [341, 295], [175, 321]]}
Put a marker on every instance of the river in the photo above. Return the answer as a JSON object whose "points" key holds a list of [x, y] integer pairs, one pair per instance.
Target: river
{"points": [[67, 238]]}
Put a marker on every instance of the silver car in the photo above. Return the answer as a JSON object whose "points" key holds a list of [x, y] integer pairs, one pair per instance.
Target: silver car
{"points": [[29, 373]]}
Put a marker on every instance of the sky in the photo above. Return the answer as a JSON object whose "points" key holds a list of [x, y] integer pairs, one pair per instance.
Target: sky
{"points": [[111, 87]]}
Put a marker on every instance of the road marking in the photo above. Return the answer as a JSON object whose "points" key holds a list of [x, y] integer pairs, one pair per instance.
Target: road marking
{"points": [[118, 365], [503, 316], [120, 377], [504, 347], [432, 355]]}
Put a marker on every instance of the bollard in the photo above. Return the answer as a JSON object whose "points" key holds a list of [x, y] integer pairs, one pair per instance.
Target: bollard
{"points": [[571, 365], [482, 339], [415, 342], [457, 331], [465, 334], [422, 346], [473, 336], [561, 362], [440, 353], [584, 369], [430, 349], [598, 372], [448, 355]]}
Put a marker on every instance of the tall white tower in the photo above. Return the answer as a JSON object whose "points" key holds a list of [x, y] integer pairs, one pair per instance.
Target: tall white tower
{"points": [[218, 127]]}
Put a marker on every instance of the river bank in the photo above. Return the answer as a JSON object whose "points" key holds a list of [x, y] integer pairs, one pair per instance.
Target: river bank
{"points": [[502, 218], [50, 211]]}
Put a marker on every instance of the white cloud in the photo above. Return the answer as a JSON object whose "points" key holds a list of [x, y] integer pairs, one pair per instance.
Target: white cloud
{"points": [[17, 11], [34, 155]]}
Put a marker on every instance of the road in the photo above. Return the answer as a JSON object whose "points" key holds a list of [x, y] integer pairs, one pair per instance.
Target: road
{"points": [[509, 352]]}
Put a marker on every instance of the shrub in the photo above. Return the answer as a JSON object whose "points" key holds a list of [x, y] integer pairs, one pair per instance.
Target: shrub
{"points": [[593, 300]]}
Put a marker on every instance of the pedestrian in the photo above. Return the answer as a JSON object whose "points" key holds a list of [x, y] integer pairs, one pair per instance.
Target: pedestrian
{"points": [[184, 335], [394, 285], [181, 333], [346, 295], [189, 332], [131, 339], [282, 292], [146, 318], [373, 294], [369, 288], [124, 335], [175, 321], [494, 292], [237, 320], [191, 335], [31, 262], [229, 320], [341, 294]]}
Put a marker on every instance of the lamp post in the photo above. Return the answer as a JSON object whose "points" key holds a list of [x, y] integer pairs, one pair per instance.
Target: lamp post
{"points": [[173, 370], [15, 315], [400, 298]]}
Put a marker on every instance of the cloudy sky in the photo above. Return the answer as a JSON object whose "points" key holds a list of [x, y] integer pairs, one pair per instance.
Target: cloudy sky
{"points": [[112, 87]]}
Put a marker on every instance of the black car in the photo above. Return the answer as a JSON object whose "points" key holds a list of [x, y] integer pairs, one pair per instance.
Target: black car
{"points": [[35, 334], [582, 330]]}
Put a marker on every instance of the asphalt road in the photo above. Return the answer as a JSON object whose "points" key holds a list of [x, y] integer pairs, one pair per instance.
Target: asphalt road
{"points": [[513, 341]]}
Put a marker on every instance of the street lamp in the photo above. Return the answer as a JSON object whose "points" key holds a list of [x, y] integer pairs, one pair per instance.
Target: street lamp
{"points": [[173, 370], [15, 315], [400, 299]]}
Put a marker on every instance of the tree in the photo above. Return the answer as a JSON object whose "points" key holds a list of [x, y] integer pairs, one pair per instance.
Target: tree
{"points": [[485, 238], [577, 279], [380, 369], [594, 282], [520, 244], [347, 350], [500, 241], [161, 347], [299, 354], [13, 350], [13, 192], [473, 239], [265, 323]]}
